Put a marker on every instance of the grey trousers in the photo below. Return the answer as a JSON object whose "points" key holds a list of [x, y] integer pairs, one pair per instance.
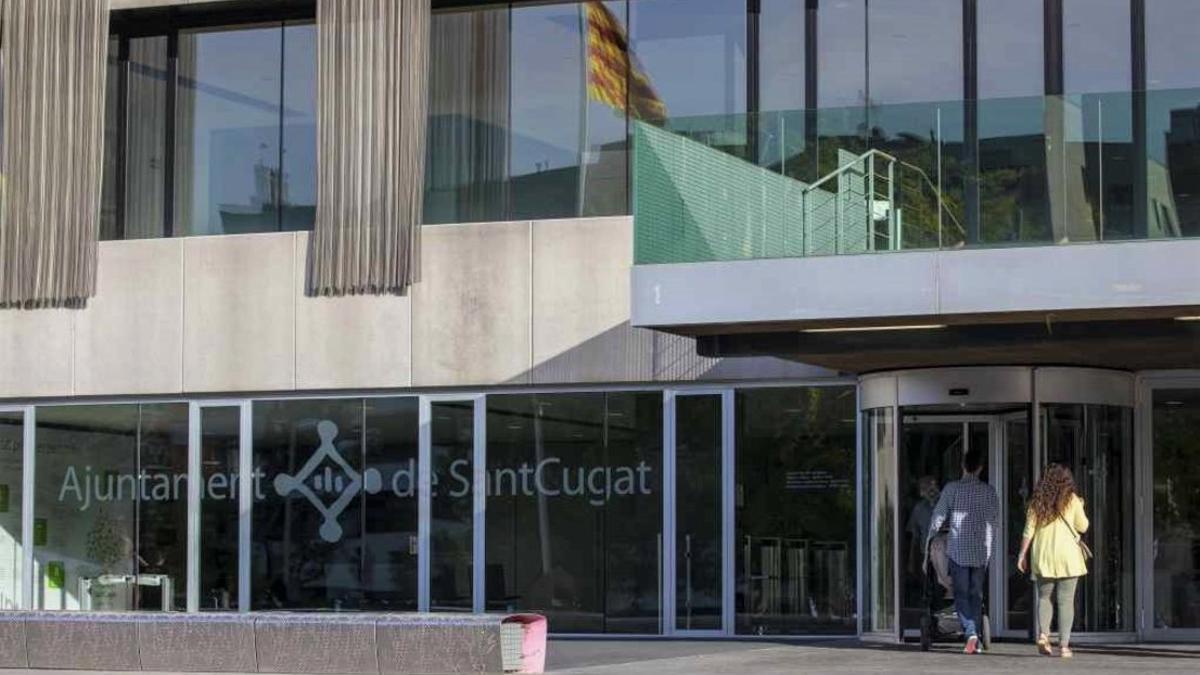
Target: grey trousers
{"points": [[1066, 606]]}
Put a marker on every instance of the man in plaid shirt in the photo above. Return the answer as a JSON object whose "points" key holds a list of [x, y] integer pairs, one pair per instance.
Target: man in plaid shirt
{"points": [[970, 509]]}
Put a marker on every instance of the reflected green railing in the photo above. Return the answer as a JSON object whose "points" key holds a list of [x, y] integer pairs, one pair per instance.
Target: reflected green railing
{"points": [[942, 175]]}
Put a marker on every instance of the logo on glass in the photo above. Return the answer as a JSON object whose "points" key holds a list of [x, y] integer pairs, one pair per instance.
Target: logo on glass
{"points": [[328, 473]]}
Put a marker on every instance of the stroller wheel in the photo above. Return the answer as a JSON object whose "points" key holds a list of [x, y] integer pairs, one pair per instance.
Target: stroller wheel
{"points": [[987, 633], [926, 633]]}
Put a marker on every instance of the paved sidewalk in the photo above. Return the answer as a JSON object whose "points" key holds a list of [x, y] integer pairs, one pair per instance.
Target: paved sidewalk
{"points": [[674, 657]]}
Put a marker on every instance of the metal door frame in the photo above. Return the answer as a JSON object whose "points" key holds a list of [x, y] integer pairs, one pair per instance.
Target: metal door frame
{"points": [[478, 496], [668, 606]]}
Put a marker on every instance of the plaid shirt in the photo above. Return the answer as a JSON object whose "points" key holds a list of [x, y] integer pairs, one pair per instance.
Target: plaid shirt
{"points": [[970, 509]]}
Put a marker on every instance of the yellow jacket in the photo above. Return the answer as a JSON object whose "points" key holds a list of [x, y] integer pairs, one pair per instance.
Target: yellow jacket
{"points": [[1055, 553]]}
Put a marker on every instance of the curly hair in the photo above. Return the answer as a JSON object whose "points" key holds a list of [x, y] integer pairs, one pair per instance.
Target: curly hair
{"points": [[1052, 494]]}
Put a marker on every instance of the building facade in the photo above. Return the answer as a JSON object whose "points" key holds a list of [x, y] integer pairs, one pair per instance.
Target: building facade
{"points": [[708, 291]]}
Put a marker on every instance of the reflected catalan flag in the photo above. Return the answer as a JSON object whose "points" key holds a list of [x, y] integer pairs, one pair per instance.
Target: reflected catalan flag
{"points": [[609, 61]]}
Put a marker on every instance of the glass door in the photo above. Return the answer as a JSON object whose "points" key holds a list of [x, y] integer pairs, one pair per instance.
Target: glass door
{"points": [[452, 490], [219, 498], [1012, 470], [699, 514], [1170, 510], [1096, 443]]}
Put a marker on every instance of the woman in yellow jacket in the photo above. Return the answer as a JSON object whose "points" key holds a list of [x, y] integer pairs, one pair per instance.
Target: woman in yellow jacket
{"points": [[1053, 524]]}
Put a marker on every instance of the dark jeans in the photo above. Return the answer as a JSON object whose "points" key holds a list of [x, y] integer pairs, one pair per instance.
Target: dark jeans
{"points": [[968, 596]]}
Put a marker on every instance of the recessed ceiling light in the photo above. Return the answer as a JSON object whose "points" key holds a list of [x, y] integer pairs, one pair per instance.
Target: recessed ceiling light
{"points": [[1188, 318], [869, 329]]}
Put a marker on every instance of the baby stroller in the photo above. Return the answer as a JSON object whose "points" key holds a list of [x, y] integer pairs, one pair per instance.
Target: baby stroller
{"points": [[939, 622]]}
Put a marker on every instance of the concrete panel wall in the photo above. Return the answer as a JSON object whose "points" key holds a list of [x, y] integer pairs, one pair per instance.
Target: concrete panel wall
{"points": [[543, 302], [239, 308], [129, 337], [1083, 277], [471, 308]]}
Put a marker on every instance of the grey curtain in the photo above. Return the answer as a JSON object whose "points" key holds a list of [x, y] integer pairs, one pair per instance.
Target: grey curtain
{"points": [[372, 76], [54, 54]]}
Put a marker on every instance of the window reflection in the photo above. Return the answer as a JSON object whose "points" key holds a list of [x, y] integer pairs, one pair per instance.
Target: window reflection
{"points": [[227, 131], [586, 555], [519, 124], [12, 462], [451, 530], [220, 444], [1176, 532], [334, 504], [697, 66], [1172, 118], [145, 138], [915, 50], [795, 511], [110, 517]]}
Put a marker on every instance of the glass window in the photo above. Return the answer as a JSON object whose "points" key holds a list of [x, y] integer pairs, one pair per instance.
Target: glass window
{"points": [[1176, 533], [220, 443], [466, 167], [334, 520], [574, 509], [145, 139], [243, 134], [1096, 442], [12, 463], [1014, 204], [781, 87], [452, 526], [697, 66], [796, 542], [297, 186], [568, 148], [1011, 54], [1097, 56], [108, 192], [1172, 49], [879, 513], [227, 131], [110, 518], [915, 50], [841, 53], [1173, 123], [699, 601], [781, 74]]}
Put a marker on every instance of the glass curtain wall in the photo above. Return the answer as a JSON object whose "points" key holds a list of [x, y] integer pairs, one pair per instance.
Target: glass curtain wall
{"points": [[334, 516], [879, 516], [795, 550], [1176, 509], [110, 517], [574, 509], [12, 463]]}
